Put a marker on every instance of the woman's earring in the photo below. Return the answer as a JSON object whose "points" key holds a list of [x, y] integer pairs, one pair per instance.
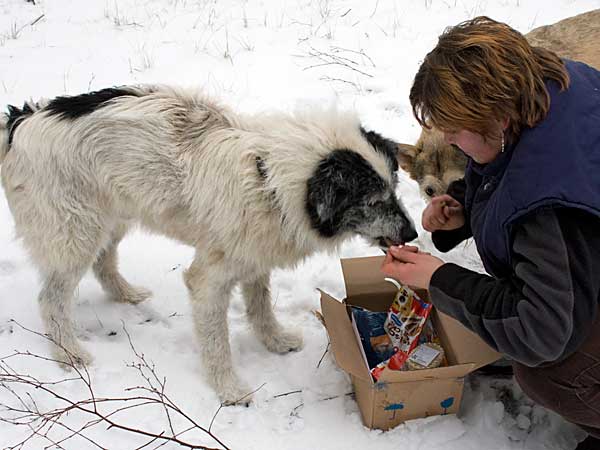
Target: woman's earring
{"points": [[502, 143]]}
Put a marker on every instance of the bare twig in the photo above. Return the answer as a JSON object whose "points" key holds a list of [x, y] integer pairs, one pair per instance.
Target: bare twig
{"points": [[348, 394], [340, 80], [324, 353], [358, 52], [299, 391], [25, 411], [239, 400], [334, 58], [374, 9], [37, 20]]}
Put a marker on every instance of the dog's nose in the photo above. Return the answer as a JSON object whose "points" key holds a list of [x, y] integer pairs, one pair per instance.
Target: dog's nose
{"points": [[409, 233]]}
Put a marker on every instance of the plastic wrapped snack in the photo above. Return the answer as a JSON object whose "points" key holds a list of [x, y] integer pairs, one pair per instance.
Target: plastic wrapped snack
{"points": [[376, 343], [405, 321], [426, 356], [429, 336]]}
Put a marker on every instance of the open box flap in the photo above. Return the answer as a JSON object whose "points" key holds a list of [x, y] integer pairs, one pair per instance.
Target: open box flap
{"points": [[362, 276], [467, 347], [363, 279], [344, 344], [439, 373]]}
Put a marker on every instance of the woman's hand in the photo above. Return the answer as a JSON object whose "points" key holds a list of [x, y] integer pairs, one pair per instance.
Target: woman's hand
{"points": [[443, 213], [410, 266]]}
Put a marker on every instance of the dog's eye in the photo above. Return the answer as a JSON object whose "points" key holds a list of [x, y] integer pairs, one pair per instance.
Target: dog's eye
{"points": [[429, 191]]}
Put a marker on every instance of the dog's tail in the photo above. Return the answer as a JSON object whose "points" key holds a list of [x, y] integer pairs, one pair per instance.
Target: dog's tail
{"points": [[12, 119], [3, 137]]}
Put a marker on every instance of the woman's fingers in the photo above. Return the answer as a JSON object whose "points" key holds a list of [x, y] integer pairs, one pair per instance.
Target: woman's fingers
{"points": [[389, 257], [409, 267], [432, 221], [451, 211], [408, 248], [402, 255], [441, 199], [442, 213], [439, 211], [450, 201]]}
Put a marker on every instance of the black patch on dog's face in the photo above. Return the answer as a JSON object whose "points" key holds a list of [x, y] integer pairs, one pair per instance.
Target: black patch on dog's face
{"points": [[15, 117], [72, 107], [340, 179], [346, 194], [386, 147]]}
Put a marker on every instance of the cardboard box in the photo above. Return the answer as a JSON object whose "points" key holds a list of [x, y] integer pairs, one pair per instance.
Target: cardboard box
{"points": [[398, 395]]}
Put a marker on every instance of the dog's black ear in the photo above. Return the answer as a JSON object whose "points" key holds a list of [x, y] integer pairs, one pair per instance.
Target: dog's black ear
{"points": [[339, 182], [386, 147], [327, 197]]}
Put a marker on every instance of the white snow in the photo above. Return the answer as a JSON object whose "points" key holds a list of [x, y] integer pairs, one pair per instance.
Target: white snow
{"points": [[255, 55]]}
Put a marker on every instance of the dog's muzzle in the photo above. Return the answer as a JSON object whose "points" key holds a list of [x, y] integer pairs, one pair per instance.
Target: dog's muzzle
{"points": [[385, 243]]}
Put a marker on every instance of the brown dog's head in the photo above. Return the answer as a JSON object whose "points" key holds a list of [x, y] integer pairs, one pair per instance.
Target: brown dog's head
{"points": [[432, 163]]}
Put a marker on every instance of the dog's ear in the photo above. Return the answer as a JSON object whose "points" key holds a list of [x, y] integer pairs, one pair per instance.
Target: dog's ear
{"points": [[326, 200], [340, 180], [382, 145], [406, 155]]}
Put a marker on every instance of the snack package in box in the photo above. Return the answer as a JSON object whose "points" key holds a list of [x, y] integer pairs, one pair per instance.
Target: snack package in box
{"points": [[375, 341], [429, 352], [405, 321]]}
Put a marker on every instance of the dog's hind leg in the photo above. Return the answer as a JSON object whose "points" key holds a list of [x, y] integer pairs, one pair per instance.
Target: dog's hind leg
{"points": [[260, 313], [55, 304], [62, 245], [107, 273], [210, 284]]}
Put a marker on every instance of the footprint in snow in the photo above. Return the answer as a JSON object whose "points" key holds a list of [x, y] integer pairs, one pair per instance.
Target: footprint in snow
{"points": [[7, 267]]}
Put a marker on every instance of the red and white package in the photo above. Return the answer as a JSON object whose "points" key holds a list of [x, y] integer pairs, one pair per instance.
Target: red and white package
{"points": [[404, 323]]}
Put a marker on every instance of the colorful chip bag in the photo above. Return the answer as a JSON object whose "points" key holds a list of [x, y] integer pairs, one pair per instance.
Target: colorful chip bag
{"points": [[405, 321]]}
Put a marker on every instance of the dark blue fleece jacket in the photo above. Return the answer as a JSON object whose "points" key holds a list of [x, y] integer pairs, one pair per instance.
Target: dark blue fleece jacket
{"points": [[556, 163]]}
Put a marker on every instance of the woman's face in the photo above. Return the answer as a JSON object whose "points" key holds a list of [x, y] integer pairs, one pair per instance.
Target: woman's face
{"points": [[474, 145]]}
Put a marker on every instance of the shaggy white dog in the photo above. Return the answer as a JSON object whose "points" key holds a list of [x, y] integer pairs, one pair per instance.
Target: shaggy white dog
{"points": [[249, 193]]}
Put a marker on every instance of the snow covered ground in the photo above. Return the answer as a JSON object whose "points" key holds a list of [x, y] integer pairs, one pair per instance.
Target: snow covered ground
{"points": [[255, 55]]}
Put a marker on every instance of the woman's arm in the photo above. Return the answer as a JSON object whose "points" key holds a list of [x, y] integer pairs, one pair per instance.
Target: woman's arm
{"points": [[546, 308], [445, 241]]}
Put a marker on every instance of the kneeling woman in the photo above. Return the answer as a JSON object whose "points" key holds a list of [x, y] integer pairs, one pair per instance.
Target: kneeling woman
{"points": [[529, 123]]}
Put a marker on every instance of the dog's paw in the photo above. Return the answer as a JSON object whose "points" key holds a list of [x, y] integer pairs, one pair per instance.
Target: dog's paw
{"points": [[284, 341], [133, 296], [73, 356], [235, 395]]}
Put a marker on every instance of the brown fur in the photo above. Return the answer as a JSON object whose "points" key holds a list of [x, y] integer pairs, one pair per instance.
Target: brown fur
{"points": [[576, 38], [433, 164]]}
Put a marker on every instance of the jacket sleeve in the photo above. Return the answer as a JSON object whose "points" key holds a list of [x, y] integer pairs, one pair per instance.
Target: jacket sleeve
{"points": [[443, 240], [545, 310]]}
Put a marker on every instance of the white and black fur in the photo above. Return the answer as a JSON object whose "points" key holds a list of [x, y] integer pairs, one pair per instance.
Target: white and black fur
{"points": [[249, 192]]}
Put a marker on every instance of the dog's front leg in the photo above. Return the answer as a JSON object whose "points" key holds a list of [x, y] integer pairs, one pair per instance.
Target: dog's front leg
{"points": [[210, 289], [260, 313]]}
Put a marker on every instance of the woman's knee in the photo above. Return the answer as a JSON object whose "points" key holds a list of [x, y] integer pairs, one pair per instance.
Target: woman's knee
{"points": [[536, 384], [571, 389]]}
